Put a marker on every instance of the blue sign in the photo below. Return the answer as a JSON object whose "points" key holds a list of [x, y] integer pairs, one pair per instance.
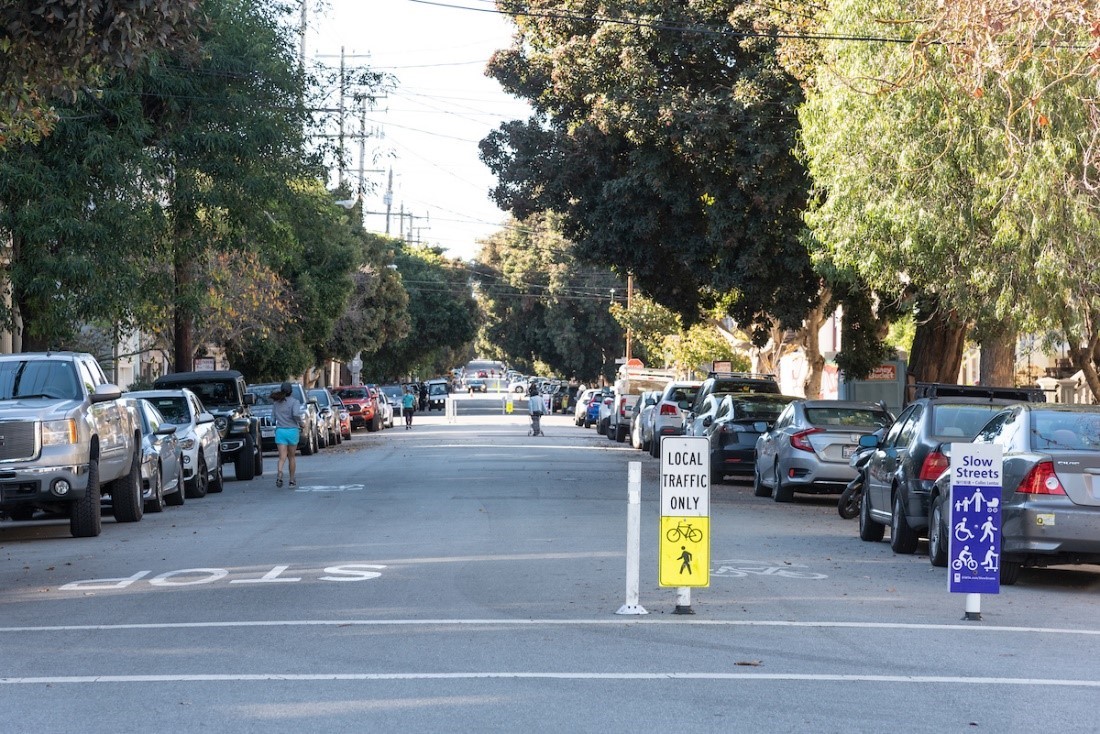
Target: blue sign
{"points": [[974, 540], [975, 545]]}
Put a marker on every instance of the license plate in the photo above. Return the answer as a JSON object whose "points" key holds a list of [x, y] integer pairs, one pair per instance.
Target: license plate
{"points": [[267, 432], [847, 451]]}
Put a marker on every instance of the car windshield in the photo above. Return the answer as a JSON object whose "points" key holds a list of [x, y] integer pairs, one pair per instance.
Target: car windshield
{"points": [[214, 393], [1065, 430], [41, 378], [759, 407], [352, 393], [394, 391], [961, 421], [437, 389], [742, 385], [864, 417], [263, 393], [174, 409], [680, 394], [323, 397]]}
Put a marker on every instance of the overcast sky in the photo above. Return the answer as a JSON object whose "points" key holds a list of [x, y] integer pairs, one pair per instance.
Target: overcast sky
{"points": [[431, 123]]}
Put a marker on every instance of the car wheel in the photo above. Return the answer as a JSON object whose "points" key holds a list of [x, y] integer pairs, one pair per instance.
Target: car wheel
{"points": [[178, 497], [937, 533], [781, 492], [245, 462], [258, 462], [372, 425], [307, 448], [200, 485], [655, 448], [155, 503], [217, 484], [1010, 572], [759, 489], [127, 499], [903, 539], [869, 530], [322, 439], [85, 520]]}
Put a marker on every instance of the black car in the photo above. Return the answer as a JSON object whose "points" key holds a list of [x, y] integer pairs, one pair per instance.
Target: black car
{"points": [[901, 474], [732, 433], [730, 382], [224, 395]]}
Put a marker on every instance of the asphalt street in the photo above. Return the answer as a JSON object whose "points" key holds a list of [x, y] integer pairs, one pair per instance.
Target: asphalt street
{"points": [[462, 576]]}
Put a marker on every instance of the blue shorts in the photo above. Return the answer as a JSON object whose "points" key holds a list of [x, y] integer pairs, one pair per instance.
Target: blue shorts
{"points": [[286, 436]]}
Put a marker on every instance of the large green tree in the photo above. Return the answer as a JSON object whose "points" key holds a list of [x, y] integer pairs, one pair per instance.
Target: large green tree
{"points": [[544, 307], [52, 49], [664, 139]]}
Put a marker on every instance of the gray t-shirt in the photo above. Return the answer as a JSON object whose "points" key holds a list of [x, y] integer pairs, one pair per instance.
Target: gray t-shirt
{"points": [[285, 412]]}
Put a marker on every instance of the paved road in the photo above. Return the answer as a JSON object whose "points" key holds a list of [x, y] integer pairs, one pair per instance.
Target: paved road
{"points": [[462, 576]]}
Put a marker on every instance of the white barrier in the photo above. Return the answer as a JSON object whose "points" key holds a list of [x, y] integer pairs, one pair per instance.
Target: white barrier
{"points": [[633, 539]]}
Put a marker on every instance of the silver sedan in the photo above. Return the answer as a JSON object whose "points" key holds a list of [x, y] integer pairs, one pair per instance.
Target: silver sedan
{"points": [[808, 448]]}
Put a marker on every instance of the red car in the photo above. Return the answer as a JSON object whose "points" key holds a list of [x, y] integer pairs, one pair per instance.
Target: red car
{"points": [[362, 406]]}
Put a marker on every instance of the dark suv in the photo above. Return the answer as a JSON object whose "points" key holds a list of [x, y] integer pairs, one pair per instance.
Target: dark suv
{"points": [[914, 452], [223, 393], [729, 382]]}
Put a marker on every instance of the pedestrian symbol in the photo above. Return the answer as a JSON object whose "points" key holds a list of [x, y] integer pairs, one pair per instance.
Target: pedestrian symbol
{"points": [[684, 552]]}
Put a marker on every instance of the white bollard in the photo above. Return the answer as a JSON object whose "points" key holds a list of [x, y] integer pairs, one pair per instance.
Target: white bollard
{"points": [[633, 539], [683, 601], [973, 608]]}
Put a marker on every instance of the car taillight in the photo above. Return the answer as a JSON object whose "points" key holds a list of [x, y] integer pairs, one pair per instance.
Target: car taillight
{"points": [[801, 440], [667, 409], [934, 465], [1041, 480]]}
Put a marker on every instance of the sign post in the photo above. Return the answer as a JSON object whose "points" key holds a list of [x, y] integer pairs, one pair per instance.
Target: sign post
{"points": [[974, 532], [684, 555]]}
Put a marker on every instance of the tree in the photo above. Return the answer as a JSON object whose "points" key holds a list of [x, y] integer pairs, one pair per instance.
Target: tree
{"points": [[51, 49], [543, 306], [664, 142]]}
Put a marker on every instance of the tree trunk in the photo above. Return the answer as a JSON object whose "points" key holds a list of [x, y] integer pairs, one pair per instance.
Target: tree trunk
{"points": [[1084, 357], [998, 362], [937, 345], [183, 323], [811, 343]]}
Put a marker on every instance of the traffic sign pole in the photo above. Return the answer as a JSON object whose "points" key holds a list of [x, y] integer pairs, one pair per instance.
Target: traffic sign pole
{"points": [[974, 532], [683, 558]]}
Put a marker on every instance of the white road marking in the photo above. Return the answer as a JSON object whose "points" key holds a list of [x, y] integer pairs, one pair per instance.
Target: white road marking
{"points": [[806, 677], [505, 623]]}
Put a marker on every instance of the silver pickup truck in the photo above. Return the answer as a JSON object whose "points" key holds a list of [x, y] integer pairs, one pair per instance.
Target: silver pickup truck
{"points": [[65, 439]]}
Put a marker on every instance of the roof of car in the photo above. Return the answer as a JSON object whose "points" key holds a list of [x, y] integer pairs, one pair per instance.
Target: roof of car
{"points": [[850, 404], [198, 376]]}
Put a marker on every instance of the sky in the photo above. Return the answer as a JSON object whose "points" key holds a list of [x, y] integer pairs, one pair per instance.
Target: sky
{"points": [[428, 127]]}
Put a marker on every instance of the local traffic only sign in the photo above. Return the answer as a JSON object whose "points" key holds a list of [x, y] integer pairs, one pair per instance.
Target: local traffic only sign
{"points": [[974, 540], [684, 556]]}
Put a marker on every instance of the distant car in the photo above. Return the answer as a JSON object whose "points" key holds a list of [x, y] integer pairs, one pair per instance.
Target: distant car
{"points": [[197, 434], [161, 459], [518, 385], [1050, 469], [309, 436], [808, 448], [900, 475], [712, 407], [438, 392], [595, 407], [476, 385], [385, 409], [344, 418], [581, 408], [667, 417], [645, 404], [730, 382], [327, 415]]}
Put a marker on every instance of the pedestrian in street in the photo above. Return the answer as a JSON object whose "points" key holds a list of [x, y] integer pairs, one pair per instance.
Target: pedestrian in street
{"points": [[408, 407], [287, 412], [536, 406]]}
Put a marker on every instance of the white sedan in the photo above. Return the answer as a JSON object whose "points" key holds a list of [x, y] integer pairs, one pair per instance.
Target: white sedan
{"points": [[197, 434]]}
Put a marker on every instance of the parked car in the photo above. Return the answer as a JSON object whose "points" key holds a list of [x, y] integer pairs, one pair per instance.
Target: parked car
{"points": [[618, 421], [344, 418], [595, 409], [730, 382], [1050, 505], [712, 407], [667, 418], [224, 394], [327, 415], [733, 431], [310, 435], [809, 447], [385, 409], [361, 405], [476, 384], [580, 410], [645, 403], [394, 393], [197, 435], [910, 458], [162, 480]]}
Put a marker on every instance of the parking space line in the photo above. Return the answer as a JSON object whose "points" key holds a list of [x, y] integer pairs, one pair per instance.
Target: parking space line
{"points": [[523, 675], [506, 623]]}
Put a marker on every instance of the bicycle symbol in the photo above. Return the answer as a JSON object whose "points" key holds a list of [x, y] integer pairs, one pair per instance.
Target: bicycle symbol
{"points": [[744, 568], [971, 564], [685, 531]]}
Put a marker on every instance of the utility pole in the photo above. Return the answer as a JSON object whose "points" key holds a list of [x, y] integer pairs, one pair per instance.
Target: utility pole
{"points": [[388, 199], [302, 46], [629, 301], [340, 122]]}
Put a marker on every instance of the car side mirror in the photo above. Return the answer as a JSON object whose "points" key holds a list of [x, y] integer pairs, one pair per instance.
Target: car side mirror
{"points": [[205, 418], [165, 431], [684, 405], [105, 392], [868, 441], [707, 422], [249, 398], [760, 426]]}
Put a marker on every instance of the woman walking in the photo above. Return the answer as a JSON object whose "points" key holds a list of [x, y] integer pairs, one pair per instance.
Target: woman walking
{"points": [[287, 412], [408, 407]]}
